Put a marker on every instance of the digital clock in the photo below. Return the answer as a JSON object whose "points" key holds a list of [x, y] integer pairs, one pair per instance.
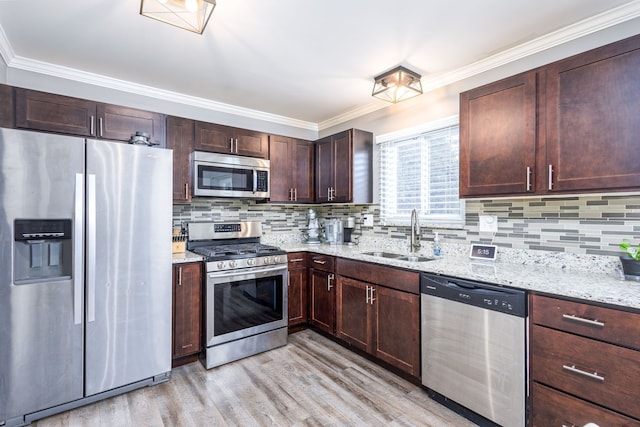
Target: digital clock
{"points": [[483, 252]]}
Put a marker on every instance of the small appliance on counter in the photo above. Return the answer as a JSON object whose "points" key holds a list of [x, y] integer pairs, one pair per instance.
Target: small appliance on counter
{"points": [[312, 232], [333, 231], [348, 224]]}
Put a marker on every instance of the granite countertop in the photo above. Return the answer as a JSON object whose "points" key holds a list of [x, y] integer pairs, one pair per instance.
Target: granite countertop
{"points": [[583, 277], [182, 257]]}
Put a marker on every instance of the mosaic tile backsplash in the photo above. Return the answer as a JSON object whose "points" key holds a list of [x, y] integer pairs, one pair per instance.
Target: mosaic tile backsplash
{"points": [[581, 224]]}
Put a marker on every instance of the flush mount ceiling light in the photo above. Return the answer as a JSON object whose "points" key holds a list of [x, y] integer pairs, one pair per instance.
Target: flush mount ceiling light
{"points": [[397, 85], [191, 15]]}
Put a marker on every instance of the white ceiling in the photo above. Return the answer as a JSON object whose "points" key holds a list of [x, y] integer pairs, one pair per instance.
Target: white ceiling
{"points": [[308, 60]]}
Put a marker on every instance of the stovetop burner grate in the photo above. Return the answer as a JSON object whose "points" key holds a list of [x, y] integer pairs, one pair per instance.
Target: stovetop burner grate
{"points": [[229, 251]]}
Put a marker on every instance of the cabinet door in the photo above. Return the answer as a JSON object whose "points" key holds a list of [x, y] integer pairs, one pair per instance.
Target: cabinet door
{"points": [[324, 169], [120, 123], [187, 309], [353, 323], [323, 300], [298, 300], [213, 138], [343, 163], [6, 106], [497, 137], [180, 140], [302, 165], [54, 113], [592, 131], [280, 148], [397, 329], [251, 144]]}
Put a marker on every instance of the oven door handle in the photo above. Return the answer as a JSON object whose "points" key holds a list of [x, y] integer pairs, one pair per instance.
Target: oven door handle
{"points": [[248, 271]]}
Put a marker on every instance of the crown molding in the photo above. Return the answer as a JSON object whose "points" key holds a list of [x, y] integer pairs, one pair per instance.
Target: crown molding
{"points": [[575, 31], [585, 27]]}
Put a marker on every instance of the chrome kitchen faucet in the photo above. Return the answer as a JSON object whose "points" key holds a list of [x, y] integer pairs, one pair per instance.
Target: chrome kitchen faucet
{"points": [[415, 232]]}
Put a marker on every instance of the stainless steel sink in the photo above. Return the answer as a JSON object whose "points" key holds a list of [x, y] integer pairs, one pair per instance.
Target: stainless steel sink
{"points": [[400, 257], [383, 254], [415, 258]]}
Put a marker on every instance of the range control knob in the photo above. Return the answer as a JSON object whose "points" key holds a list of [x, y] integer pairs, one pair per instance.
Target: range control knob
{"points": [[251, 261], [233, 264], [220, 265], [276, 260], [267, 260]]}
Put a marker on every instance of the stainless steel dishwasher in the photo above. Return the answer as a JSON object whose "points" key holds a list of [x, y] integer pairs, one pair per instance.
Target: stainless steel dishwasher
{"points": [[474, 347]]}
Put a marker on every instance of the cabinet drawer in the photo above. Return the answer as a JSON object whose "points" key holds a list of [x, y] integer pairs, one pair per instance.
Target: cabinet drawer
{"points": [[553, 408], [297, 260], [602, 373], [321, 262], [605, 324], [394, 278]]}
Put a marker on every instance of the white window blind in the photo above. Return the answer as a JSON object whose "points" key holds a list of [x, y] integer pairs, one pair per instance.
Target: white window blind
{"points": [[421, 172]]}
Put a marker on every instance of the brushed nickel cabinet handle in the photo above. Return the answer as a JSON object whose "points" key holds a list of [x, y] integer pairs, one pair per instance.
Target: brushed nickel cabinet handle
{"points": [[187, 346], [528, 178], [330, 277], [550, 177], [366, 300], [296, 260], [589, 322], [295, 194], [186, 190], [372, 299], [231, 145], [318, 261], [92, 125], [593, 376], [100, 126], [180, 276]]}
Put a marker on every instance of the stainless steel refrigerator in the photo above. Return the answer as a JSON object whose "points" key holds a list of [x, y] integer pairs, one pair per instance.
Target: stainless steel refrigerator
{"points": [[85, 271]]}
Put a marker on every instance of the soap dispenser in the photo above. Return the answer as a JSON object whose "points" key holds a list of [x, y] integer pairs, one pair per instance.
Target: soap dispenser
{"points": [[436, 245]]}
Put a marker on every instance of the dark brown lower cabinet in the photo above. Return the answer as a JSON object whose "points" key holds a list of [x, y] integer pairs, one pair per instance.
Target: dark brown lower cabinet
{"points": [[297, 298], [585, 364], [6, 106], [382, 321], [322, 305], [187, 312], [554, 408]]}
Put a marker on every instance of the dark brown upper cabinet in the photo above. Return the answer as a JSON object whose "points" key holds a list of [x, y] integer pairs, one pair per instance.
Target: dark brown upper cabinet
{"points": [[229, 140], [180, 140], [498, 137], [569, 127], [344, 170], [73, 116], [291, 169], [6, 106]]}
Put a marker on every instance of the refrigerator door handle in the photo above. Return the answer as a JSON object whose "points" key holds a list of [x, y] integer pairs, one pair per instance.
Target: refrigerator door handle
{"points": [[91, 248], [78, 262]]}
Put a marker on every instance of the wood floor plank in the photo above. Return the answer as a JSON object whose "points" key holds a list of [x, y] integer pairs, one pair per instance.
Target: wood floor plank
{"points": [[310, 382]]}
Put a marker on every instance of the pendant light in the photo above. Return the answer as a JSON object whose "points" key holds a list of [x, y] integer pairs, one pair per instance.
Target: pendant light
{"points": [[192, 15], [397, 85]]}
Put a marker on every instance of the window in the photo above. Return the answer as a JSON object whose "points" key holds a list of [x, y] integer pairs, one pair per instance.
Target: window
{"points": [[419, 170]]}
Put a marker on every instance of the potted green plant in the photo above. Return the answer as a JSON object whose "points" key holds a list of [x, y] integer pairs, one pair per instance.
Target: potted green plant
{"points": [[631, 261]]}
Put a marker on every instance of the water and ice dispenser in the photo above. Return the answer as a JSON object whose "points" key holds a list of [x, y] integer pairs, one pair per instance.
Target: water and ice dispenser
{"points": [[42, 250]]}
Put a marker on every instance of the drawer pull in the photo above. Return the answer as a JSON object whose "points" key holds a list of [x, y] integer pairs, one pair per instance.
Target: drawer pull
{"points": [[296, 260], [317, 261], [586, 425], [590, 322], [575, 370]]}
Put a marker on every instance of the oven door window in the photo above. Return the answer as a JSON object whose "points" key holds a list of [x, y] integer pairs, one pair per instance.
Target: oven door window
{"points": [[247, 303], [225, 178]]}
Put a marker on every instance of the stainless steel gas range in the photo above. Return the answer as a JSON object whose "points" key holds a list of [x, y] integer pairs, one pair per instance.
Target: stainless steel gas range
{"points": [[245, 293]]}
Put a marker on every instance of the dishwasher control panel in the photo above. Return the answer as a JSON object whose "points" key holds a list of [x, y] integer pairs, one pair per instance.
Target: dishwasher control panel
{"points": [[484, 295]]}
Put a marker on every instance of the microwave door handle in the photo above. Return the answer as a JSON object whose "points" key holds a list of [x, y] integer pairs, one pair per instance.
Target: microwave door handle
{"points": [[255, 181]]}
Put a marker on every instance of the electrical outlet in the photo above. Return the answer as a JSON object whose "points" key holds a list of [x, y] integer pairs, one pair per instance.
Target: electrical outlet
{"points": [[367, 220], [488, 223]]}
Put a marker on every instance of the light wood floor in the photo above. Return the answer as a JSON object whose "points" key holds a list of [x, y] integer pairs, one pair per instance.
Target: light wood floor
{"points": [[310, 382]]}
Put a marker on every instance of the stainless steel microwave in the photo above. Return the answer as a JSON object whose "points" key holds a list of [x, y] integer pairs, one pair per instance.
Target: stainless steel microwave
{"points": [[221, 175]]}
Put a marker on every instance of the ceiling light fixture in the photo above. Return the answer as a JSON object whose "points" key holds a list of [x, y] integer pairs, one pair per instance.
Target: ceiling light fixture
{"points": [[191, 15], [397, 85]]}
